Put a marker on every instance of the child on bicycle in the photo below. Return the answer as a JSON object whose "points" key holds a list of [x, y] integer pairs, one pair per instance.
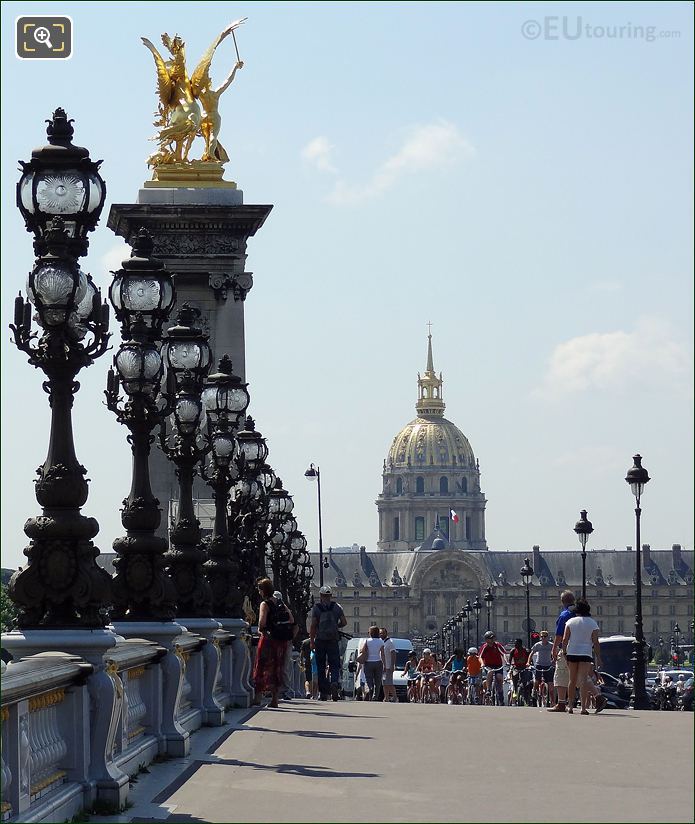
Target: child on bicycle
{"points": [[474, 667], [411, 676], [456, 666]]}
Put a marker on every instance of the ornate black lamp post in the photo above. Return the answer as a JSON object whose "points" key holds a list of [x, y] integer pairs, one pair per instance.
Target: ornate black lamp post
{"points": [[469, 613], [60, 196], [187, 358], [280, 506], [314, 473], [142, 295], [637, 476], [527, 574], [249, 506], [583, 528], [488, 598], [477, 606], [677, 633], [225, 399]]}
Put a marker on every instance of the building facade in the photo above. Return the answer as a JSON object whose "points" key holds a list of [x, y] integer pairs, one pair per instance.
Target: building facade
{"points": [[426, 566], [431, 478]]}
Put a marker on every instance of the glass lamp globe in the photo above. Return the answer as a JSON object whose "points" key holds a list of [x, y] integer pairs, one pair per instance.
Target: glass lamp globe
{"points": [[139, 367]]}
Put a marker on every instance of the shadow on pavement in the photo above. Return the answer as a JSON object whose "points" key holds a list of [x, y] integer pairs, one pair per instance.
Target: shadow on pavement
{"points": [[321, 714], [308, 733], [308, 770]]}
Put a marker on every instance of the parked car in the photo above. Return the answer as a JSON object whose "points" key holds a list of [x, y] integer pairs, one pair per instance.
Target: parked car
{"points": [[687, 696]]}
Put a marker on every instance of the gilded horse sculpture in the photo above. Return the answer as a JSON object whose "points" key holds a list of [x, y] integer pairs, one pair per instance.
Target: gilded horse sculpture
{"points": [[180, 116]]}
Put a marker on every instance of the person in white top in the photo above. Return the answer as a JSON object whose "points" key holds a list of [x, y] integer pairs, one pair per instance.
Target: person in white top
{"points": [[374, 665], [581, 648], [389, 665]]}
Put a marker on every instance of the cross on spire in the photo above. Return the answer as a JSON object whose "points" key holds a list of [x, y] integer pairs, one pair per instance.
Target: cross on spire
{"points": [[429, 328]]}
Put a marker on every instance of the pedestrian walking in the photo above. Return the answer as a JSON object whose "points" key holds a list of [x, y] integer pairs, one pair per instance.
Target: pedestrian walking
{"points": [[389, 665], [327, 618], [562, 674], [306, 665], [374, 663], [581, 648], [275, 625]]}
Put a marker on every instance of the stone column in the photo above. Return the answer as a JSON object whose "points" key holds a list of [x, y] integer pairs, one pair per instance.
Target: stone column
{"points": [[201, 235]]}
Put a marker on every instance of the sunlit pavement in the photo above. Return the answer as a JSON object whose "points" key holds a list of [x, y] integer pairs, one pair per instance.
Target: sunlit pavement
{"points": [[361, 762]]}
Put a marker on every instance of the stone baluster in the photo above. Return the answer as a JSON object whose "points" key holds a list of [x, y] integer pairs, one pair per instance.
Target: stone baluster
{"points": [[5, 771]]}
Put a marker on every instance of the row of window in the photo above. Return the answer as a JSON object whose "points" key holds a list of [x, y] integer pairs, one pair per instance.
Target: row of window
{"points": [[444, 526], [372, 611], [461, 486], [357, 631]]}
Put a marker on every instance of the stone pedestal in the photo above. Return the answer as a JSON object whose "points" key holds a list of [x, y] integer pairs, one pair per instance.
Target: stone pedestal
{"points": [[110, 784], [213, 712], [241, 690], [201, 235], [174, 739]]}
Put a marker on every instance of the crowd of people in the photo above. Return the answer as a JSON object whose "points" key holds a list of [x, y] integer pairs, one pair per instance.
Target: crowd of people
{"points": [[547, 672]]}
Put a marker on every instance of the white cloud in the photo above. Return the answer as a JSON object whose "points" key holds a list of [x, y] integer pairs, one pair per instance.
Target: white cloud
{"points": [[616, 360], [319, 152], [112, 259], [427, 147]]}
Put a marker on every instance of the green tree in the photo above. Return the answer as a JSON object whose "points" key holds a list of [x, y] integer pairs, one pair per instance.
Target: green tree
{"points": [[8, 611]]}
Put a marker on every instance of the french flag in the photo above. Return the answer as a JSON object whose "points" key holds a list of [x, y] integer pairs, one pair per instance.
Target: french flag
{"points": [[454, 516]]}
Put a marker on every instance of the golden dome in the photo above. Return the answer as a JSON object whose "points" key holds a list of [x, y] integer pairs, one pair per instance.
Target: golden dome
{"points": [[430, 441]]}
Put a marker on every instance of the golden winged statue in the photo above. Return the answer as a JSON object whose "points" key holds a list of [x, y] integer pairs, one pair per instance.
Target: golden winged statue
{"points": [[188, 106]]}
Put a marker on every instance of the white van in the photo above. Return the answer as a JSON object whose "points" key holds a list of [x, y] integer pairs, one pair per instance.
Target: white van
{"points": [[403, 647]]}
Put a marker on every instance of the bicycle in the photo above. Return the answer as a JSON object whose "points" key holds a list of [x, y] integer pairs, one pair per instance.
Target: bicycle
{"points": [[412, 693], [494, 691], [541, 694], [429, 688], [456, 691], [474, 689]]}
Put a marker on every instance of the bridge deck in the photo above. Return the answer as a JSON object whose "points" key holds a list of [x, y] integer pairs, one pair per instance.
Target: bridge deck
{"points": [[353, 761]]}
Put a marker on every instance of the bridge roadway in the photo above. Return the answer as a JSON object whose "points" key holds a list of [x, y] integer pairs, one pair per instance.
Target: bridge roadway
{"points": [[352, 761]]}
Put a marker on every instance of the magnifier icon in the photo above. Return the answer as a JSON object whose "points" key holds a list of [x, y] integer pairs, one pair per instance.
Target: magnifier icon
{"points": [[42, 35]]}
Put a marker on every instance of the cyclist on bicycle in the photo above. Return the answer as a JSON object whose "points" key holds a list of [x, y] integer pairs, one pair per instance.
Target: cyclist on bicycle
{"points": [[426, 667], [541, 657], [474, 667], [518, 660], [456, 666], [492, 654], [411, 676]]}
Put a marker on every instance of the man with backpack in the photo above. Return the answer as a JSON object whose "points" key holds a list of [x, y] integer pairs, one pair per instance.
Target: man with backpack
{"points": [[327, 618]]}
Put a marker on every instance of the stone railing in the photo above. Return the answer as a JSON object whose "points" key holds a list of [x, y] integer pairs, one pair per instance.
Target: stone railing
{"points": [[73, 731], [45, 738], [138, 740], [190, 708]]}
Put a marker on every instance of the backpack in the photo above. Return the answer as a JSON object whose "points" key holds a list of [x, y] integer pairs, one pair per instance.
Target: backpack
{"points": [[328, 623], [279, 625]]}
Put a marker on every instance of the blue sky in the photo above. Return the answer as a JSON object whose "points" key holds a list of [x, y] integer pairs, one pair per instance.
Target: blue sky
{"points": [[427, 162]]}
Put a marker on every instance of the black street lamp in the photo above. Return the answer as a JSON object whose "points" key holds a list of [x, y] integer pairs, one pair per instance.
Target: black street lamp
{"points": [[677, 633], [637, 477], [60, 196], [187, 359], [142, 295], [477, 606], [62, 181], [468, 610], [225, 399], [527, 574], [488, 598], [583, 528], [280, 524], [249, 507], [314, 473]]}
